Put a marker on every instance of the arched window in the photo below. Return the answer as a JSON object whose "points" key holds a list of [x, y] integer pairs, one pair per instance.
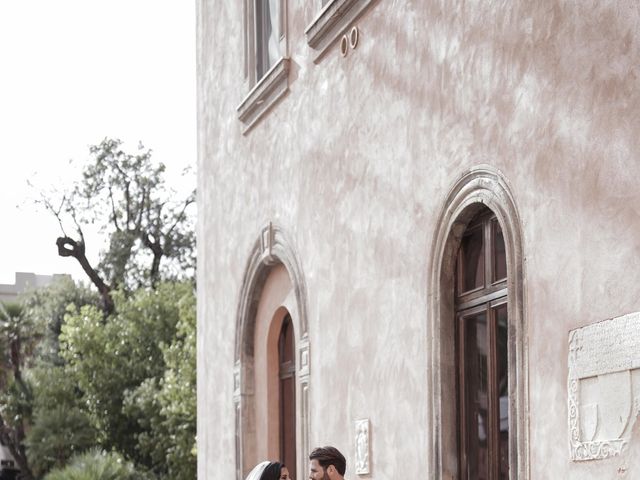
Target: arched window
{"points": [[478, 362], [481, 351], [287, 400]]}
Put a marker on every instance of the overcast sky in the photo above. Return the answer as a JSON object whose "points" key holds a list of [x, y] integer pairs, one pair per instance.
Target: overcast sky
{"points": [[71, 73]]}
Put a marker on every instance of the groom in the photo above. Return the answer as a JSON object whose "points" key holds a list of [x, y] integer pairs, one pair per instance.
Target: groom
{"points": [[326, 463]]}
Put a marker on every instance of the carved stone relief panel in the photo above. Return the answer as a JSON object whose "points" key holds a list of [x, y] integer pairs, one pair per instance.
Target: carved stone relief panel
{"points": [[303, 352], [266, 243], [604, 386], [362, 447], [303, 379]]}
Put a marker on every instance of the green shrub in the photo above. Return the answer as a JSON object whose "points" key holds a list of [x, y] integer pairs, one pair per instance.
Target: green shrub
{"points": [[96, 465], [56, 435]]}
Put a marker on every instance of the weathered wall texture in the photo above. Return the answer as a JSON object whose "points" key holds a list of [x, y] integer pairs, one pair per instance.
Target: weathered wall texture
{"points": [[355, 163]]}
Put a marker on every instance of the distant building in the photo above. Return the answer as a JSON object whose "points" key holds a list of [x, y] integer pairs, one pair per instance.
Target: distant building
{"points": [[26, 281]]}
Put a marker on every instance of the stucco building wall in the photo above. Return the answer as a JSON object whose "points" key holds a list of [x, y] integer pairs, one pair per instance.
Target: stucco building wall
{"points": [[355, 164]]}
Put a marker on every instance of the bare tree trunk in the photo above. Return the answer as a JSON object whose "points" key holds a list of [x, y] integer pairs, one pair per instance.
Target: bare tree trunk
{"points": [[68, 247], [158, 252]]}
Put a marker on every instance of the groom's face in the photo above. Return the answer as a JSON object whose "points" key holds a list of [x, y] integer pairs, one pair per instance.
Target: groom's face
{"points": [[316, 472]]}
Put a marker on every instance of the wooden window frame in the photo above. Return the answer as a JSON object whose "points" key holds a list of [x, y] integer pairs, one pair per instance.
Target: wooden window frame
{"points": [[267, 89], [286, 370], [478, 187], [483, 299], [491, 289]]}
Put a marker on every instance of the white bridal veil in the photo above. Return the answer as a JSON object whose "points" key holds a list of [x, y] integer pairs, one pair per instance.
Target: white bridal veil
{"points": [[257, 471]]}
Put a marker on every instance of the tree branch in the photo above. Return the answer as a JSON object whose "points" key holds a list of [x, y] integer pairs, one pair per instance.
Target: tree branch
{"points": [[68, 247], [113, 209], [191, 199], [127, 197], [55, 211], [157, 250], [142, 209], [72, 211]]}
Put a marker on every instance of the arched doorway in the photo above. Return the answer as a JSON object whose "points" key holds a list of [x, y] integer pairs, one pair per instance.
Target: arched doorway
{"points": [[271, 374]]}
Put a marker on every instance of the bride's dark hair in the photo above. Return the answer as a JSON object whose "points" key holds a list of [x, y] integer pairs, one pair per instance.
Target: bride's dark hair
{"points": [[272, 472]]}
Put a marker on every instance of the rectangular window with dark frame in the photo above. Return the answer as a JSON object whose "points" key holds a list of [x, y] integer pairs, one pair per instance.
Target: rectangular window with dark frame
{"points": [[266, 59], [268, 31]]}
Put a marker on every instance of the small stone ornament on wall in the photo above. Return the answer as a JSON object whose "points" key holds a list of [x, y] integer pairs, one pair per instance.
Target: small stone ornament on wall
{"points": [[603, 386], [349, 40], [363, 452]]}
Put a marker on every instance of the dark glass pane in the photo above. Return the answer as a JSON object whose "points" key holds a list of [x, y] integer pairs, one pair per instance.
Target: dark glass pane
{"points": [[499, 253], [286, 353], [285, 346], [476, 396], [288, 423], [472, 248], [503, 389], [267, 41]]}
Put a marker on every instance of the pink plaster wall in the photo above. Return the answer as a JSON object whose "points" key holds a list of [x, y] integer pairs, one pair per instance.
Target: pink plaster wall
{"points": [[355, 163]]}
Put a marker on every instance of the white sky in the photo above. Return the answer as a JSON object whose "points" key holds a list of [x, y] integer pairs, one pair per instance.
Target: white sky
{"points": [[71, 73]]}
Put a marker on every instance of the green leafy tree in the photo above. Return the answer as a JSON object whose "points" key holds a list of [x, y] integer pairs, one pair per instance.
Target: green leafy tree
{"points": [[116, 369], [119, 365], [125, 383], [167, 406], [150, 234], [60, 427], [46, 308], [17, 340], [97, 465], [177, 395], [35, 389]]}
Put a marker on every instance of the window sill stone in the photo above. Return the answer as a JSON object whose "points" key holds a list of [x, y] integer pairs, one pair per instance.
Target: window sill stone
{"points": [[269, 89]]}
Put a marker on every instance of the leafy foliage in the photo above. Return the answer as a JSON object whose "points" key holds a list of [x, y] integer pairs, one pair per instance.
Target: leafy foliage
{"points": [[177, 395], [57, 433], [83, 372], [125, 383], [120, 366], [18, 337], [97, 465], [167, 406], [46, 308]]}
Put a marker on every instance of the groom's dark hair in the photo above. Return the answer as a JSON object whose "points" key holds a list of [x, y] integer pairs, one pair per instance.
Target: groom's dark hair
{"points": [[329, 456]]}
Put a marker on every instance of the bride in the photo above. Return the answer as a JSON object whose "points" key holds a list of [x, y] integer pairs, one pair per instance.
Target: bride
{"points": [[269, 471]]}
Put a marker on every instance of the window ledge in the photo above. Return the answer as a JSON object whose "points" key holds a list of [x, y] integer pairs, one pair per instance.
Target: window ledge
{"points": [[332, 21], [272, 86]]}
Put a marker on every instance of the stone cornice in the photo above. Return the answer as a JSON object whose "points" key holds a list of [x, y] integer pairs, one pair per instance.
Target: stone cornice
{"points": [[273, 85], [332, 21]]}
